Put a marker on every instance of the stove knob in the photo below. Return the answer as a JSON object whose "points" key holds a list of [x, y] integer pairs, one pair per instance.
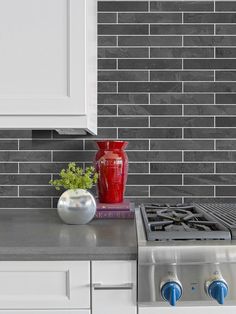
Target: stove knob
{"points": [[171, 291], [218, 290]]}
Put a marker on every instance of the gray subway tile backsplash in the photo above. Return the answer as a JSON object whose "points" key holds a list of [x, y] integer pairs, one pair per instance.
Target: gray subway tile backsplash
{"points": [[167, 84]]}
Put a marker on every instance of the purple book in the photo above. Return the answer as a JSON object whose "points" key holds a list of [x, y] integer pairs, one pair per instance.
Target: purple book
{"points": [[118, 214], [124, 206]]}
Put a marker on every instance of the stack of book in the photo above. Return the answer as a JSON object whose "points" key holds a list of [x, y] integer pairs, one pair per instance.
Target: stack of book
{"points": [[124, 210]]}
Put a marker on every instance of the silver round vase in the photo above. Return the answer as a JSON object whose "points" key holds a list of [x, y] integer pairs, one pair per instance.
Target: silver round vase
{"points": [[76, 207]]}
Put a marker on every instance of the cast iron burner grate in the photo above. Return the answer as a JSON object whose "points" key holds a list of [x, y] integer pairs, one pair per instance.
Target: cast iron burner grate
{"points": [[181, 222]]}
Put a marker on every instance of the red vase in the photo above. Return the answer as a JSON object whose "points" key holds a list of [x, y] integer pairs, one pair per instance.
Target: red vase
{"points": [[112, 166]]}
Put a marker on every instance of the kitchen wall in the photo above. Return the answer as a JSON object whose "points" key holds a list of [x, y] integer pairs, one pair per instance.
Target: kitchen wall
{"points": [[167, 84]]}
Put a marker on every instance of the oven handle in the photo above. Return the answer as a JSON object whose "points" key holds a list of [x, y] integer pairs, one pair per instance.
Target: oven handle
{"points": [[126, 286]]}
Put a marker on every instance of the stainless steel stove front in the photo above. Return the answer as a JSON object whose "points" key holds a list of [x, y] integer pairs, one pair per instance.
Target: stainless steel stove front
{"points": [[192, 264]]}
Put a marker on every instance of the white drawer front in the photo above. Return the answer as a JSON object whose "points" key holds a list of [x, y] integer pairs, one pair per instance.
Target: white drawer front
{"points": [[114, 287], [44, 285], [114, 272]]}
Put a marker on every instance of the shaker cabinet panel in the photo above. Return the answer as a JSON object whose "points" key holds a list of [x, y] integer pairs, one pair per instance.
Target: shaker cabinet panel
{"points": [[114, 287], [48, 63], [44, 285]]}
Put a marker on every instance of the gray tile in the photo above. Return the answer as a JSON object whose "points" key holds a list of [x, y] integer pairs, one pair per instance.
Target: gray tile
{"points": [[138, 167], [210, 64], [122, 5], [225, 52], [225, 190], [209, 200], [136, 190], [182, 191], [212, 179], [209, 17], [226, 122], [106, 87], [106, 41], [149, 87], [225, 6], [182, 75], [226, 144], [122, 29], [182, 144], [181, 6], [181, 122], [225, 75], [150, 41], [212, 156], [172, 98], [107, 133], [178, 29], [150, 110], [106, 18], [76, 156], [217, 110], [123, 75], [43, 167], [149, 64], [8, 191], [122, 52], [123, 122], [151, 179], [210, 133], [150, 18], [225, 99], [39, 191], [209, 41], [51, 144], [25, 156], [107, 64], [12, 134], [25, 202], [154, 156], [8, 145], [182, 167], [225, 29], [123, 98], [150, 133], [24, 179], [226, 167], [107, 110], [182, 52], [210, 87], [8, 167]]}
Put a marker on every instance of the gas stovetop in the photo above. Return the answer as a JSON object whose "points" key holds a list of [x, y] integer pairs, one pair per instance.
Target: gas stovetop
{"points": [[182, 222]]}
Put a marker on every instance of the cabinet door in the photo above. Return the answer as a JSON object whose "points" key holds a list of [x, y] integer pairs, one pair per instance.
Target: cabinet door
{"points": [[44, 285], [42, 57], [114, 287]]}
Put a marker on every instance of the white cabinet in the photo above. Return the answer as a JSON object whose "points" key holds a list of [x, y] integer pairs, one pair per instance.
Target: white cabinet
{"points": [[45, 285], [114, 287], [48, 64]]}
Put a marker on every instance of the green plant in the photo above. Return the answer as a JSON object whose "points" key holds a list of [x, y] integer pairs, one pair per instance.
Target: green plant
{"points": [[75, 178]]}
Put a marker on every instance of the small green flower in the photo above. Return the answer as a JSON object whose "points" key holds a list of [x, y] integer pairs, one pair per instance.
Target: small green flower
{"points": [[75, 178]]}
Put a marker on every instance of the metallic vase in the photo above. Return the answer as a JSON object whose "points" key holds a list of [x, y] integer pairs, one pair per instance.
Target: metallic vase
{"points": [[76, 207]]}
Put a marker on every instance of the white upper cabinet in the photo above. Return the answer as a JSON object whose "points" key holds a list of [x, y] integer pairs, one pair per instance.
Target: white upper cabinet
{"points": [[48, 64]]}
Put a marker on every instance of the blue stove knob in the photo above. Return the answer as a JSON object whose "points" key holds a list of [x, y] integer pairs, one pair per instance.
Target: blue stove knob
{"points": [[171, 291], [218, 290]]}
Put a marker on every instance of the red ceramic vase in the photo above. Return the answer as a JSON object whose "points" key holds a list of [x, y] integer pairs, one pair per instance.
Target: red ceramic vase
{"points": [[112, 166]]}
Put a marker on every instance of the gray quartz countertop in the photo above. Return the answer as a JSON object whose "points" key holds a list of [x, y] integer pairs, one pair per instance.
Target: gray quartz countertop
{"points": [[31, 234]]}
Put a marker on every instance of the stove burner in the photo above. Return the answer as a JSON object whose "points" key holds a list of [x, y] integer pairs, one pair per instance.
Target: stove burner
{"points": [[180, 222]]}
